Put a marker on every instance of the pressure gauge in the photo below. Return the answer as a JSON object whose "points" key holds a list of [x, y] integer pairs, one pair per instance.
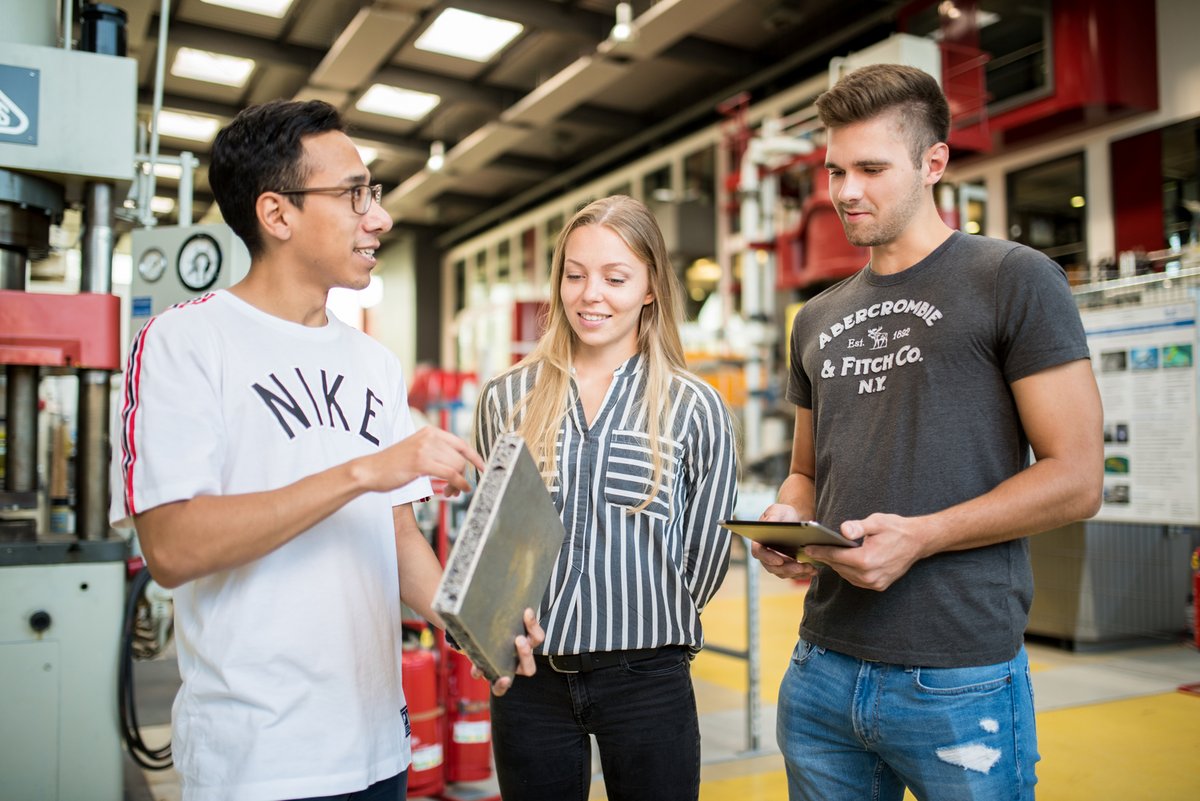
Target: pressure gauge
{"points": [[152, 264], [199, 262]]}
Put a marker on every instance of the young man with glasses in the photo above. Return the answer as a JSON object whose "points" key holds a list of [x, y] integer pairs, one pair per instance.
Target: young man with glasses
{"points": [[269, 464], [910, 669]]}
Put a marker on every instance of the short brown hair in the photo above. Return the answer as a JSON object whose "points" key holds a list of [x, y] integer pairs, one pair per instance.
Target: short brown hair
{"points": [[870, 91]]}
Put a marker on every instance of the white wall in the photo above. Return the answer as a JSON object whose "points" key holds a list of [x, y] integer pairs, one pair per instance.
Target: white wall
{"points": [[394, 322]]}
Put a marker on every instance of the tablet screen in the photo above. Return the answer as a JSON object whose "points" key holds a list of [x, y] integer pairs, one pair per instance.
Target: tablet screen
{"points": [[787, 538]]}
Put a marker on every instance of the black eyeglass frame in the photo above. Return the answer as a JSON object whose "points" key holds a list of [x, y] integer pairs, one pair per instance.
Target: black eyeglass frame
{"points": [[374, 194]]}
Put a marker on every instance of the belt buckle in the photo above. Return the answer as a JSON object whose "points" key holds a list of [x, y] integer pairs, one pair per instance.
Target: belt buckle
{"points": [[556, 668]]}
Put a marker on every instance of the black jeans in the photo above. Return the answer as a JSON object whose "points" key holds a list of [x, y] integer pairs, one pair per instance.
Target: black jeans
{"points": [[393, 789], [643, 715]]}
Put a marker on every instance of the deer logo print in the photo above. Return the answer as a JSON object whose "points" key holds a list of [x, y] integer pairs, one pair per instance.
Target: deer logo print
{"points": [[878, 338]]}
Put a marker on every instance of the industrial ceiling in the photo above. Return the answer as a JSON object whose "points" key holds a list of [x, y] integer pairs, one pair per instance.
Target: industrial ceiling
{"points": [[562, 102]]}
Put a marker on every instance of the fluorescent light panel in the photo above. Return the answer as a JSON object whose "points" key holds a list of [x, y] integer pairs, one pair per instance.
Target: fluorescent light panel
{"points": [[163, 170], [268, 8], [392, 101], [465, 34], [187, 126], [202, 65]]}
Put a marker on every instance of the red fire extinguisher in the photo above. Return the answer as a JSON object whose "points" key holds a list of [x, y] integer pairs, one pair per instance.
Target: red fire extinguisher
{"points": [[1196, 596], [468, 722], [426, 775]]}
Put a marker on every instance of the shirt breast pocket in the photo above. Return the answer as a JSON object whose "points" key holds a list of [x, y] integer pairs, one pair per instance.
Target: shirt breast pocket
{"points": [[629, 472]]}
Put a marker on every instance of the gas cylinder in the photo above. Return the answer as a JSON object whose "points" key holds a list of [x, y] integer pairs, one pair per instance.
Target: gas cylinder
{"points": [[468, 721], [426, 718]]}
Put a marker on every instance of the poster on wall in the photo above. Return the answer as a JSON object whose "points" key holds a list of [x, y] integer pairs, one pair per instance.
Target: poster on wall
{"points": [[1144, 357]]}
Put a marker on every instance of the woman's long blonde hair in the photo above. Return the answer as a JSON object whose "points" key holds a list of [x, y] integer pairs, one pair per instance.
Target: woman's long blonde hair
{"points": [[542, 410]]}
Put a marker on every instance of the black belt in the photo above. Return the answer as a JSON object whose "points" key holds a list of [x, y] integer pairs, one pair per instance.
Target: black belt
{"points": [[587, 662]]}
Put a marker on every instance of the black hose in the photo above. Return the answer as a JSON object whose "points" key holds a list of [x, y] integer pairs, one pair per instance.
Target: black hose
{"points": [[149, 758]]}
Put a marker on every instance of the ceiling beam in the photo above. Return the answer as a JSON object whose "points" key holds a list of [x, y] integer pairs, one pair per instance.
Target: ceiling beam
{"points": [[242, 45], [479, 201], [446, 87], [619, 123], [190, 105], [715, 56], [534, 13], [662, 26], [416, 147], [363, 47]]}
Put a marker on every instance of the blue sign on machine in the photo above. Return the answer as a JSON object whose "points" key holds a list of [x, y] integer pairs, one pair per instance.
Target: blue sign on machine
{"points": [[19, 104]]}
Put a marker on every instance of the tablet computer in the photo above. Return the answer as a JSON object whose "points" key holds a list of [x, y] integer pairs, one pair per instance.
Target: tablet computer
{"points": [[788, 538]]}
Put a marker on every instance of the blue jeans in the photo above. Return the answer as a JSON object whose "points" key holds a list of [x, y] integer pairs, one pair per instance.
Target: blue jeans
{"points": [[643, 715], [393, 789], [852, 730]]}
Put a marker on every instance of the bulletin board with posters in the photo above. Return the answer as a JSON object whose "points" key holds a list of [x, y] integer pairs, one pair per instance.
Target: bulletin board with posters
{"points": [[1144, 357]]}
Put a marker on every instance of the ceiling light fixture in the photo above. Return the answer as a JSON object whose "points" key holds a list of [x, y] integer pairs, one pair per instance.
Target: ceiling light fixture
{"points": [[437, 155], [949, 10], [172, 171], [464, 34], [162, 205], [268, 8], [202, 65], [392, 101], [187, 126], [623, 30]]}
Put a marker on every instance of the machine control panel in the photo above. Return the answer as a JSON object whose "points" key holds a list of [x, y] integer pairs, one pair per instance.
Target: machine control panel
{"points": [[199, 263], [178, 263]]}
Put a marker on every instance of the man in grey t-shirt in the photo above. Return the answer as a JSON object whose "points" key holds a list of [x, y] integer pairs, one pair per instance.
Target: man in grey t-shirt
{"points": [[921, 384]]}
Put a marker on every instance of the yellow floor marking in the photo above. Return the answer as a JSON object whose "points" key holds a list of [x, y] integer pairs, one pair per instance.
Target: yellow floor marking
{"points": [[1139, 748], [724, 623]]}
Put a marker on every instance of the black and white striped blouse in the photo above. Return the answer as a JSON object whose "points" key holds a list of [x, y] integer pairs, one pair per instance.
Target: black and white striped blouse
{"points": [[624, 581]]}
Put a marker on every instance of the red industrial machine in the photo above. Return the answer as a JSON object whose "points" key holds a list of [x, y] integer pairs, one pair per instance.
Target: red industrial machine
{"points": [[528, 325], [816, 248]]}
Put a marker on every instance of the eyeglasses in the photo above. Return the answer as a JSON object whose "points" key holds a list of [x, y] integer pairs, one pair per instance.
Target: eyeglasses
{"points": [[361, 195]]}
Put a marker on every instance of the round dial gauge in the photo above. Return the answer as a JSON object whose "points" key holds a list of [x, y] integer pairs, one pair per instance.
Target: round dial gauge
{"points": [[152, 264], [199, 262]]}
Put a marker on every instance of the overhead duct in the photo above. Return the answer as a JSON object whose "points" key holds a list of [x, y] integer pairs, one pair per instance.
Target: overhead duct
{"points": [[363, 47], [571, 87], [483, 146]]}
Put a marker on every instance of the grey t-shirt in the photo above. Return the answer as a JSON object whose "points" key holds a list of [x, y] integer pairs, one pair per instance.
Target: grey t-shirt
{"points": [[907, 376]]}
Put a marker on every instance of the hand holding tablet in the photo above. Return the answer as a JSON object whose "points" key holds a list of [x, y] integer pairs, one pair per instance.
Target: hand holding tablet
{"points": [[788, 537]]}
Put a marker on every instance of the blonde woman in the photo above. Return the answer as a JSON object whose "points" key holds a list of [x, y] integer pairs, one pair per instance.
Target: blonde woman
{"points": [[639, 457]]}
